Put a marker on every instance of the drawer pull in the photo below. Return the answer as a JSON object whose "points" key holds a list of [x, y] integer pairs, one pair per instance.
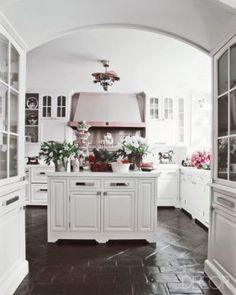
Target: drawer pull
{"points": [[226, 202], [43, 190], [85, 183], [99, 193], [119, 184], [10, 201], [42, 173]]}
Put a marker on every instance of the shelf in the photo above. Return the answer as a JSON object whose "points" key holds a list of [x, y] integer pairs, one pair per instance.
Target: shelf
{"points": [[117, 125], [31, 125], [31, 110]]}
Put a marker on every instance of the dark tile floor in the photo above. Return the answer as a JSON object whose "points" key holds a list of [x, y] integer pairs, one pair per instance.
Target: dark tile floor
{"points": [[174, 265]]}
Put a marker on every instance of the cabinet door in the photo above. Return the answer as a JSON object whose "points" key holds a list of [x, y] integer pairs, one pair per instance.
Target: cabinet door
{"points": [[168, 189], [146, 205], [223, 241], [85, 211], [57, 204], [11, 240], [119, 211]]}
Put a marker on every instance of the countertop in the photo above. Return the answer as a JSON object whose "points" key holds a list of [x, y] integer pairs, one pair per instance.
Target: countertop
{"points": [[104, 174]]}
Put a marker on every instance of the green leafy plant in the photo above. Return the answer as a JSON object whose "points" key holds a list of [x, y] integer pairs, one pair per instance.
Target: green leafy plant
{"points": [[53, 151]]}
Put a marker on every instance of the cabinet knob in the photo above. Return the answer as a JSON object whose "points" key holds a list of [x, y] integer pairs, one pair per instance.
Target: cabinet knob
{"points": [[105, 193], [99, 193]]}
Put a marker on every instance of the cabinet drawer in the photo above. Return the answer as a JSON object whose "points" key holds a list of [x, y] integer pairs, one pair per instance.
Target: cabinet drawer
{"points": [[39, 174], [39, 193], [114, 183], [168, 174], [10, 201], [85, 183], [225, 201]]}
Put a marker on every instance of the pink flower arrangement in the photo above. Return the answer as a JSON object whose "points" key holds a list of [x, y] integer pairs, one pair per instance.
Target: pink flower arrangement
{"points": [[201, 160]]}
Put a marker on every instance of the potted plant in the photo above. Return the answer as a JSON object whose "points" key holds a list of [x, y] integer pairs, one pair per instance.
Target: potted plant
{"points": [[58, 153], [135, 148]]}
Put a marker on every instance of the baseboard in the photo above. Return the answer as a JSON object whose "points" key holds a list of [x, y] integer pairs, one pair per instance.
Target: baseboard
{"points": [[221, 282], [9, 283]]}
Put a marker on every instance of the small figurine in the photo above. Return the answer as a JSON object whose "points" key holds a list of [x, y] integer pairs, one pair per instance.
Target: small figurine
{"points": [[166, 157], [108, 139]]}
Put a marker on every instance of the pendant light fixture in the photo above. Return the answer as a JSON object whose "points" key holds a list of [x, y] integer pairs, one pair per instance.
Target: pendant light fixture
{"points": [[107, 78]]}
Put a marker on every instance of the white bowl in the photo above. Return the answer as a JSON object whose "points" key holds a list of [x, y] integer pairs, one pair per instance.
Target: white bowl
{"points": [[120, 167]]}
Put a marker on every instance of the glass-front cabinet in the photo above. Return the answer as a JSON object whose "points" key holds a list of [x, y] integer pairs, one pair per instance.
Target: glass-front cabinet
{"points": [[225, 116], [9, 109]]}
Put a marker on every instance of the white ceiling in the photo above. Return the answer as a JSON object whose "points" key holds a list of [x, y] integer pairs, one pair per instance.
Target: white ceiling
{"points": [[204, 23], [145, 61]]}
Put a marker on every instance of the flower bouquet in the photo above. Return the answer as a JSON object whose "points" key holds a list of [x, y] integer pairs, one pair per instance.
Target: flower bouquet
{"points": [[58, 153]]}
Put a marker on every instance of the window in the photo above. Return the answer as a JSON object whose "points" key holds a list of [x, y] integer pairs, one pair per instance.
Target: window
{"points": [[154, 108], [168, 108]]}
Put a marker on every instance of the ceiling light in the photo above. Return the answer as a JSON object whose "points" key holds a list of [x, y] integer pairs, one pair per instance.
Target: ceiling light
{"points": [[107, 78]]}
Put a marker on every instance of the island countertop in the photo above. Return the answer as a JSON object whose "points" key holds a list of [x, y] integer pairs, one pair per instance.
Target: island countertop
{"points": [[104, 174]]}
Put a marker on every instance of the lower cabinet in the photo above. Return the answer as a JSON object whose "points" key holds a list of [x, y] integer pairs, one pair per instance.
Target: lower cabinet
{"points": [[84, 211], [221, 263], [13, 266], [195, 193], [102, 208], [168, 187], [119, 211]]}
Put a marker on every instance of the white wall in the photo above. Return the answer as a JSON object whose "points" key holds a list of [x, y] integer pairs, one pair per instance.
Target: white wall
{"points": [[158, 65]]}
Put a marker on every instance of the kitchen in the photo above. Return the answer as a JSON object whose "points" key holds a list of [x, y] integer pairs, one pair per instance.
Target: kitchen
{"points": [[116, 162]]}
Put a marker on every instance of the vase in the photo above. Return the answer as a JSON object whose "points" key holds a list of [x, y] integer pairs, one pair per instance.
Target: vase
{"points": [[60, 165], [136, 161]]}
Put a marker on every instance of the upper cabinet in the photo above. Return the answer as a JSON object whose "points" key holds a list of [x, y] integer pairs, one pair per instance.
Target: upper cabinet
{"points": [[167, 120], [225, 114], [54, 106], [11, 117]]}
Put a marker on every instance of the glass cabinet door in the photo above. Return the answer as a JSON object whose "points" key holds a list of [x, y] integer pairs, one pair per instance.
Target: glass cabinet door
{"points": [[4, 59], [223, 73], [9, 109], [61, 106], [47, 106], [226, 115], [168, 108], [154, 108]]}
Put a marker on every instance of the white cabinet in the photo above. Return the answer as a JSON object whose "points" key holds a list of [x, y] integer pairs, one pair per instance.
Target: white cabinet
{"points": [[53, 106], [57, 212], [168, 187], [13, 266], [221, 263], [85, 210], [195, 193], [146, 214], [168, 120], [119, 211], [36, 187], [102, 206]]}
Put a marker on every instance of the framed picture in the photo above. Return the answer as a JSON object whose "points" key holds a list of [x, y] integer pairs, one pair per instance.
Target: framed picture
{"points": [[32, 101]]}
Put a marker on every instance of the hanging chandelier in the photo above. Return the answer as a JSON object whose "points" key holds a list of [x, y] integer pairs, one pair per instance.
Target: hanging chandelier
{"points": [[107, 78]]}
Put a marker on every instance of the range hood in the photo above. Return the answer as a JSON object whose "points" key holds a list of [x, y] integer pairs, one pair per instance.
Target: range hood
{"points": [[125, 110]]}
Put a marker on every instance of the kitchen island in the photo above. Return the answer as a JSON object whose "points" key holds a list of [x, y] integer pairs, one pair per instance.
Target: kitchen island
{"points": [[102, 206]]}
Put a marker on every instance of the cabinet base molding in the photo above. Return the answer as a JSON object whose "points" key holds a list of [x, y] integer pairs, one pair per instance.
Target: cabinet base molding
{"points": [[221, 281], [101, 237], [10, 282]]}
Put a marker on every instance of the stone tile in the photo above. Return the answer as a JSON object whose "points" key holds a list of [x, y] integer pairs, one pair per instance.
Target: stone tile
{"points": [[184, 288], [118, 267]]}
